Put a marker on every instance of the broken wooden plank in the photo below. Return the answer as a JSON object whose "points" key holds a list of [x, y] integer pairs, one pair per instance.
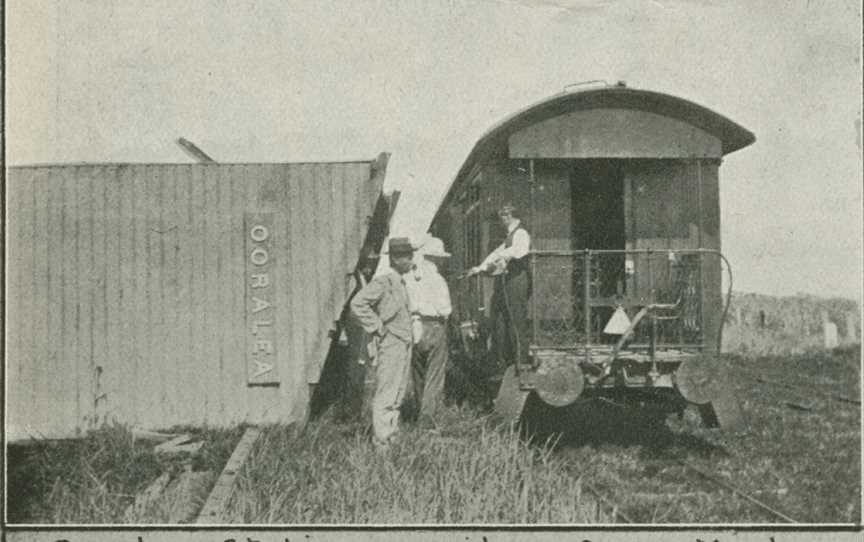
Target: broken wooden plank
{"points": [[179, 444], [221, 492], [178, 439], [143, 434], [799, 406]]}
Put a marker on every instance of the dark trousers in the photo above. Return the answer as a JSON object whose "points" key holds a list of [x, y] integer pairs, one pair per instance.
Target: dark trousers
{"points": [[429, 367], [510, 324]]}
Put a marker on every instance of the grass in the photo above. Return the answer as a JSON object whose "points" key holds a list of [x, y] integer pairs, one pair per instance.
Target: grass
{"points": [[96, 478], [814, 455], [805, 463], [465, 474]]}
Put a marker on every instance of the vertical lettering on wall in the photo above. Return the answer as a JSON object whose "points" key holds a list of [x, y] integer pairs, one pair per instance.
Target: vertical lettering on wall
{"points": [[260, 266]]}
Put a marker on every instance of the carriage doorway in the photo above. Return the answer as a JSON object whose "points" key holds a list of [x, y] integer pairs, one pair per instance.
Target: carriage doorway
{"points": [[597, 189], [597, 219]]}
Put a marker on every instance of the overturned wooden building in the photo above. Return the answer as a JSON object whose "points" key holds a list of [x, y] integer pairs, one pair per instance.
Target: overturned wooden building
{"points": [[166, 294]]}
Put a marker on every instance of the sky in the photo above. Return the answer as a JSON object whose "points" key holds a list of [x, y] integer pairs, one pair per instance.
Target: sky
{"points": [[281, 81]]}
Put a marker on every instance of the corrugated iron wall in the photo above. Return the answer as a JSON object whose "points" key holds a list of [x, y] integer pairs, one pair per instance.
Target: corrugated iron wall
{"points": [[127, 289]]}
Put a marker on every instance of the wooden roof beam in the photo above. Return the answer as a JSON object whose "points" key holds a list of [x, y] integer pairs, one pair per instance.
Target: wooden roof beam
{"points": [[196, 153]]}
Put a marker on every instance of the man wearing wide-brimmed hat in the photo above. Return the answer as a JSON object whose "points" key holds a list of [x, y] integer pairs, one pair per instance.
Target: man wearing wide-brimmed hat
{"points": [[429, 299], [381, 308]]}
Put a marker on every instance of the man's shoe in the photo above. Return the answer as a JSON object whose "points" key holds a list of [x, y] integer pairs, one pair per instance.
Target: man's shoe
{"points": [[381, 448]]}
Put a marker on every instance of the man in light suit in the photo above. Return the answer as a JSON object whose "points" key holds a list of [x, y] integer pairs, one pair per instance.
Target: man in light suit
{"points": [[381, 309]]}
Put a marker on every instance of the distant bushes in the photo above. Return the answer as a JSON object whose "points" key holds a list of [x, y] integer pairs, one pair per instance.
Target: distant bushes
{"points": [[764, 325]]}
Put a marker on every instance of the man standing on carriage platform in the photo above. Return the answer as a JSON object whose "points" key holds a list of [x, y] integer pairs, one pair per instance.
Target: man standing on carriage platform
{"points": [[509, 264]]}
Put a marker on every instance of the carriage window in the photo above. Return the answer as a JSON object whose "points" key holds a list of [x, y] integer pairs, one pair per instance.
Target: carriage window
{"points": [[472, 226]]}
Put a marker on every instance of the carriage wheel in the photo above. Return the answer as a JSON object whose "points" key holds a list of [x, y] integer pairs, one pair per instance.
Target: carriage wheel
{"points": [[561, 385], [704, 381], [700, 379]]}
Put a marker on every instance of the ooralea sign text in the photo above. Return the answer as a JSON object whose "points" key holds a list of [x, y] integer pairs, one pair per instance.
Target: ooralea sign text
{"points": [[261, 368]]}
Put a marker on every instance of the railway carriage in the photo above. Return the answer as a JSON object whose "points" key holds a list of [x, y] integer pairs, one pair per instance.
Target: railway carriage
{"points": [[618, 188]]}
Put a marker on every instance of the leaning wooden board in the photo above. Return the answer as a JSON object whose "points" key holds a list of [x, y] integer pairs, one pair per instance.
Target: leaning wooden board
{"points": [[221, 492]]}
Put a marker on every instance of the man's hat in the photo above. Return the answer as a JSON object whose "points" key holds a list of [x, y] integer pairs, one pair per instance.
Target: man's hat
{"points": [[507, 209], [434, 248], [400, 245]]}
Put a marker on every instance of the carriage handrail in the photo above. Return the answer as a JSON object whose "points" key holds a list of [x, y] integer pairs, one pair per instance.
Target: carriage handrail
{"points": [[582, 253], [588, 253]]}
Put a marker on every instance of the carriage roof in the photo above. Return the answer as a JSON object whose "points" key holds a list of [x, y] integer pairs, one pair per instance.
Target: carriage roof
{"points": [[731, 135]]}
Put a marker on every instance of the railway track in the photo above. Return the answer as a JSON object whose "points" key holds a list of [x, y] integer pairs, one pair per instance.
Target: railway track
{"points": [[603, 500], [600, 498], [803, 389], [737, 491], [618, 511], [797, 384]]}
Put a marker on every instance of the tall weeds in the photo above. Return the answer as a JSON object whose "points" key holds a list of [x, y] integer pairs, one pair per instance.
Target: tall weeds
{"points": [[467, 474], [94, 479], [91, 480]]}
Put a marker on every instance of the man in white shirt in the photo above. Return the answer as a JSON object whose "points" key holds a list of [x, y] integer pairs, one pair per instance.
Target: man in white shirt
{"points": [[509, 264], [429, 302]]}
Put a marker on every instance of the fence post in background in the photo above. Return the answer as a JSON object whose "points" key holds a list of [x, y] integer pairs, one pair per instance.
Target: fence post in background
{"points": [[829, 331], [851, 327]]}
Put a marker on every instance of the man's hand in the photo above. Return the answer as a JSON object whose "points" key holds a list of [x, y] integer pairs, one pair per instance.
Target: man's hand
{"points": [[416, 330], [497, 266], [372, 350]]}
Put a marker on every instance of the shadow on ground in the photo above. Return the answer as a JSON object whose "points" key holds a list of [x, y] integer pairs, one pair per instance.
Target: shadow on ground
{"points": [[598, 424]]}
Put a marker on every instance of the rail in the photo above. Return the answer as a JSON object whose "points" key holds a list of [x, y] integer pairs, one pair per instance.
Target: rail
{"points": [[620, 513], [765, 507]]}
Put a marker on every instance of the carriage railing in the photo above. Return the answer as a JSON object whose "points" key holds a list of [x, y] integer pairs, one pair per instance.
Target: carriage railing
{"points": [[576, 293]]}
